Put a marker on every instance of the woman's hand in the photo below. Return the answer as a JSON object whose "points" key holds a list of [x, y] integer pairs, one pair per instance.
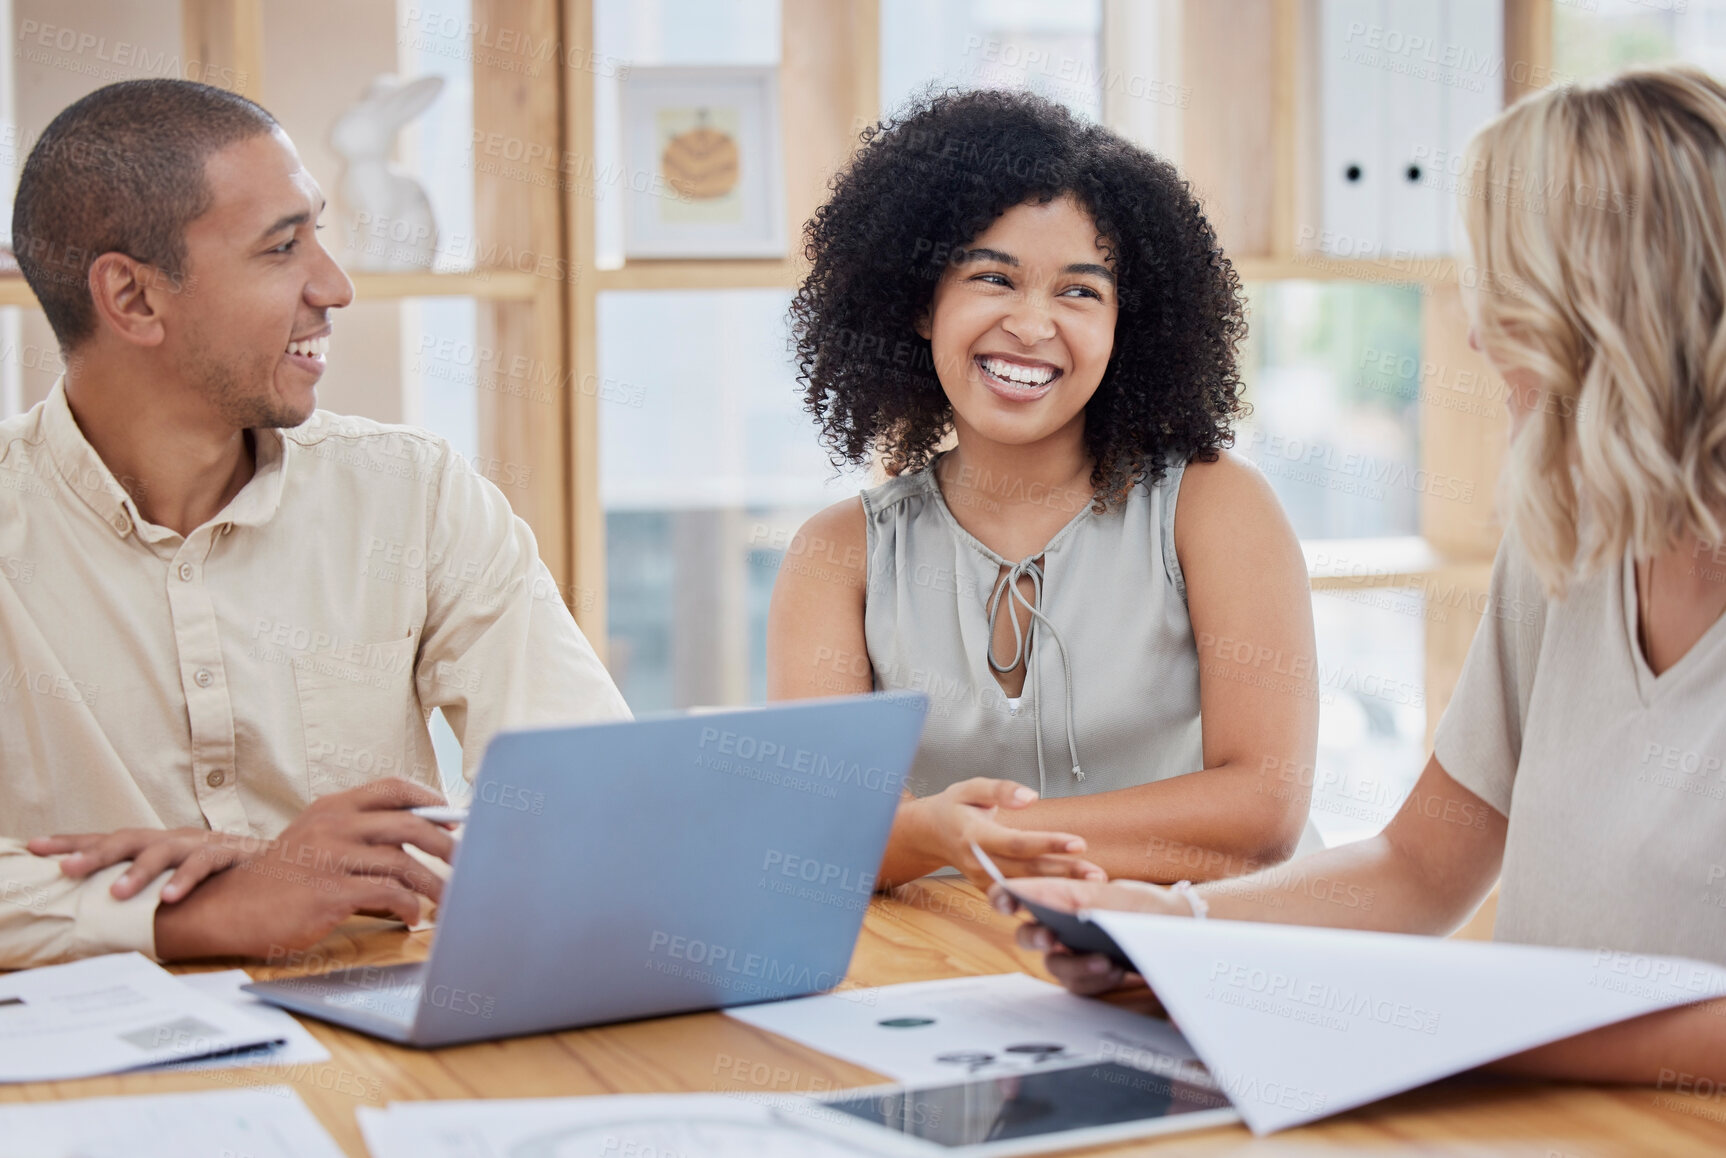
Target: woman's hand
{"points": [[196, 852], [1086, 974], [942, 827]]}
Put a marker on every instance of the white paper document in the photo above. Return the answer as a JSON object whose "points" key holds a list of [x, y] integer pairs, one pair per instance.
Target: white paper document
{"points": [[270, 1122], [1299, 1023], [633, 1125], [296, 1046], [103, 1015], [928, 1032]]}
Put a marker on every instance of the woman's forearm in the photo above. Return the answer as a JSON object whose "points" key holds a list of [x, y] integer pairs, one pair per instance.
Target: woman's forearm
{"points": [[1427, 872], [907, 856], [1366, 884], [1214, 823], [1680, 1050]]}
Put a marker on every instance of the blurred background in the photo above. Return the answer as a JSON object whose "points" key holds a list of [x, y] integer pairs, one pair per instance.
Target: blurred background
{"points": [[642, 413]]}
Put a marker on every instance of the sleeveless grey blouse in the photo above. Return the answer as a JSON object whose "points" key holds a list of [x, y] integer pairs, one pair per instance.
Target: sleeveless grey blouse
{"points": [[1111, 697]]}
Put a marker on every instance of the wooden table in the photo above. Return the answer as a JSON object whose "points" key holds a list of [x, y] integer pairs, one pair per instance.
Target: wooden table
{"points": [[927, 930]]}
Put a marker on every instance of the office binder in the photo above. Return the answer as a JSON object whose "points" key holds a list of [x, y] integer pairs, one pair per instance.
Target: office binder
{"points": [[1403, 85], [1351, 129], [1476, 29], [1414, 106]]}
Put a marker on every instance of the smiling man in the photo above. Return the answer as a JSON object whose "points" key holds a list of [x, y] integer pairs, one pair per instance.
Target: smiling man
{"points": [[227, 604]]}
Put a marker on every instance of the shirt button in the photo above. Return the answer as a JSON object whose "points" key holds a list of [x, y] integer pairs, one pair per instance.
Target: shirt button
{"points": [[216, 779], [123, 524], [203, 678], [186, 572]]}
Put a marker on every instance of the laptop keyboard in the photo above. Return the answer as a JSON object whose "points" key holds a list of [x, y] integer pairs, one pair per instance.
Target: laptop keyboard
{"points": [[397, 1003], [392, 992]]}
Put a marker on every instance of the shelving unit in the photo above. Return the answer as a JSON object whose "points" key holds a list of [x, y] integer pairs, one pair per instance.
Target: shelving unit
{"points": [[1249, 129], [505, 285], [521, 315], [1247, 136], [1251, 71]]}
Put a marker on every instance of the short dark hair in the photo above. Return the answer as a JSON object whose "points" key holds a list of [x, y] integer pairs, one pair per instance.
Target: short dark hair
{"points": [[921, 188], [120, 170]]}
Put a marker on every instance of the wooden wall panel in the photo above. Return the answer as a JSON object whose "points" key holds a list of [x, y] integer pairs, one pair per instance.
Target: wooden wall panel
{"points": [[227, 38], [525, 385], [585, 515], [1228, 134]]}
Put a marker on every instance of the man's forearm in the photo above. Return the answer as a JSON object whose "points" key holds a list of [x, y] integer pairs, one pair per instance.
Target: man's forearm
{"points": [[46, 916]]}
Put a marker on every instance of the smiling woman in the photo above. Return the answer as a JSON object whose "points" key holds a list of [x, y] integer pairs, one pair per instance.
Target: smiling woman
{"points": [[1108, 610]]}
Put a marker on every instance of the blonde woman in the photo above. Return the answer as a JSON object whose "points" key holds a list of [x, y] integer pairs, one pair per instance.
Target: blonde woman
{"points": [[1583, 756]]}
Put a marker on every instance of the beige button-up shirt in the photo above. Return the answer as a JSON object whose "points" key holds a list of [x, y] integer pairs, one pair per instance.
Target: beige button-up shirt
{"points": [[293, 646]]}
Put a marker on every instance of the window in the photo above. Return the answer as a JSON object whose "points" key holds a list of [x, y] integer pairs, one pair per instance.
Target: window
{"points": [[1049, 48], [1591, 38], [708, 466], [1338, 437]]}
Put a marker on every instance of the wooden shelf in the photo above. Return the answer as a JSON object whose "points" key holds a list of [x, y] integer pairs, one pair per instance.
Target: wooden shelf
{"points": [[1402, 270], [492, 285], [773, 273], [13, 291], [785, 273], [1348, 564]]}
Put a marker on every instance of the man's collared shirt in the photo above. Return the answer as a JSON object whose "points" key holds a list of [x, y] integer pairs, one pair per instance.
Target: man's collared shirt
{"points": [[291, 647]]}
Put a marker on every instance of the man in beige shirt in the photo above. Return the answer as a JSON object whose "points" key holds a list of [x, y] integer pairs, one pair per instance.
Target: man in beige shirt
{"points": [[217, 604]]}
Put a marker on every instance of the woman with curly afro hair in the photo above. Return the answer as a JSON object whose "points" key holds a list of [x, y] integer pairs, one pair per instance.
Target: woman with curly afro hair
{"points": [[1028, 319]]}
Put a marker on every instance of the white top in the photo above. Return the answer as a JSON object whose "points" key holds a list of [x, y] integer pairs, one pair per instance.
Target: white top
{"points": [[1614, 779]]}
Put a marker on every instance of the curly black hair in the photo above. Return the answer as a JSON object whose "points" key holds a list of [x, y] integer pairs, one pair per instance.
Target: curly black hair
{"points": [[926, 183]]}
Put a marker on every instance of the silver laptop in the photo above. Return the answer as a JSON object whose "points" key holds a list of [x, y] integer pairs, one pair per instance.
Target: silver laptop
{"points": [[659, 866]]}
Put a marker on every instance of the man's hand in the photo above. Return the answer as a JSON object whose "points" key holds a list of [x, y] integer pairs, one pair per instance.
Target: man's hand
{"points": [[267, 906], [944, 825], [198, 853], [339, 857], [1086, 974]]}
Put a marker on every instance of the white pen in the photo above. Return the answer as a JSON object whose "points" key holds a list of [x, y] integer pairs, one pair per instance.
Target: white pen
{"points": [[441, 814]]}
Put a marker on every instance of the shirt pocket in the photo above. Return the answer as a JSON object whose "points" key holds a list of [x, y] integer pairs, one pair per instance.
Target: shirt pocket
{"points": [[356, 708]]}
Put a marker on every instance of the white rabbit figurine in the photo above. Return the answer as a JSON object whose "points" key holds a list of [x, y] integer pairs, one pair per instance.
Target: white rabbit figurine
{"points": [[387, 217]]}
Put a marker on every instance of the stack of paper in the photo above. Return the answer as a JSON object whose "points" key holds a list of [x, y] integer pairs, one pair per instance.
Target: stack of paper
{"points": [[645, 1125], [295, 1046], [270, 1122], [104, 1015], [1298, 1023]]}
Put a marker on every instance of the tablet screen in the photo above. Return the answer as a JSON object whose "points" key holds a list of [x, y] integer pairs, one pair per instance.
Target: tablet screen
{"points": [[1031, 1105]]}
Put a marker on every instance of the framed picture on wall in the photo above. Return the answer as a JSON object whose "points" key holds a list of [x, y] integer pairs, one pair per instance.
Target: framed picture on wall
{"points": [[704, 176]]}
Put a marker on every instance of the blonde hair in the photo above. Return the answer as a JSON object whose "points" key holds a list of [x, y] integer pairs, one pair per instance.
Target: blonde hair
{"points": [[1597, 219]]}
